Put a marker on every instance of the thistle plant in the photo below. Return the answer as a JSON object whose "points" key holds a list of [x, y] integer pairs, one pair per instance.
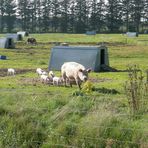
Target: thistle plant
{"points": [[136, 90]]}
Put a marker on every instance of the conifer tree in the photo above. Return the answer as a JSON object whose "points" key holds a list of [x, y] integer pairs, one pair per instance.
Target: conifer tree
{"points": [[2, 11], [10, 14], [23, 13], [81, 11], [55, 10], [114, 15], [64, 21]]}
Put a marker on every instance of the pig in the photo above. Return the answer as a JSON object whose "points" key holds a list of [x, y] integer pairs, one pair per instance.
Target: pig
{"points": [[44, 79], [39, 71], [11, 71], [31, 41], [57, 81], [74, 71], [51, 75]]}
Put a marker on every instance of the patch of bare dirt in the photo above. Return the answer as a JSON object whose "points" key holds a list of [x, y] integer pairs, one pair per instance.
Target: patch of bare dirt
{"points": [[94, 80], [32, 81], [3, 71], [98, 80], [29, 81]]}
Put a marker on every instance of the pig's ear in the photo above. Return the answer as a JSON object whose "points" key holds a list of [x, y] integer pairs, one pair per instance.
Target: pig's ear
{"points": [[88, 70], [80, 70]]}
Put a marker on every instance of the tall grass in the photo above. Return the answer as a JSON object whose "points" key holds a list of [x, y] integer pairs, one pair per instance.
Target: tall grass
{"points": [[136, 90], [34, 115]]}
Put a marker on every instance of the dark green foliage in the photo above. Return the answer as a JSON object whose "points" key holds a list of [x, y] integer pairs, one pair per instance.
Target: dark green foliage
{"points": [[65, 8], [78, 93], [2, 11], [97, 16], [81, 14], [126, 10], [46, 10], [55, 9], [74, 16], [137, 7], [8, 12], [23, 12], [114, 15]]}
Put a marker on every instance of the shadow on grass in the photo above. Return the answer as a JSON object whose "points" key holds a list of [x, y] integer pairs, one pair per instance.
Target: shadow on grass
{"points": [[3, 111], [106, 68], [105, 90], [98, 90]]}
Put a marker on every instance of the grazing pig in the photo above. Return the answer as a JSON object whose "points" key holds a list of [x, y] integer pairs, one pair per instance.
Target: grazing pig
{"points": [[11, 71], [57, 81], [31, 41], [74, 71]]}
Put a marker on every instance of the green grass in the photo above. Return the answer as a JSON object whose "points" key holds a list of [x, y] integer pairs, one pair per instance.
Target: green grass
{"points": [[86, 39], [38, 115]]}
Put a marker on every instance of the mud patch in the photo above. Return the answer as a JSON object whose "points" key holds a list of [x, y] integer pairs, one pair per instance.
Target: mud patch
{"points": [[3, 72], [85, 43], [32, 81], [93, 80], [29, 81], [98, 80]]}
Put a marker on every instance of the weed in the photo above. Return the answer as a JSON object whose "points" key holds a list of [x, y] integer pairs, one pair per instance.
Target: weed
{"points": [[87, 87], [135, 89]]}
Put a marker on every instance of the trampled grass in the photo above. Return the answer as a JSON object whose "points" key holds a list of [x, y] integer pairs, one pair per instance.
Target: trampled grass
{"points": [[38, 115]]}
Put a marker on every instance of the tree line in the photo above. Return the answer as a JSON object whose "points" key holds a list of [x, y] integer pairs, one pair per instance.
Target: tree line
{"points": [[73, 16]]}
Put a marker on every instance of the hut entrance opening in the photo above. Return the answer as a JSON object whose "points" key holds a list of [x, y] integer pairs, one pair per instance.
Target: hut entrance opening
{"points": [[9, 42], [102, 57]]}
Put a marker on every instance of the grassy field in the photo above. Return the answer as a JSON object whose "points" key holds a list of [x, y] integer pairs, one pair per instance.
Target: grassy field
{"points": [[37, 115]]}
